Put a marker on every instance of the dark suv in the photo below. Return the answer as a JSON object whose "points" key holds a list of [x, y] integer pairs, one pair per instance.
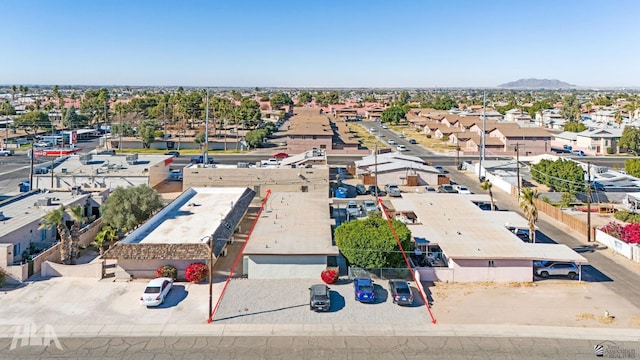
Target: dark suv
{"points": [[319, 299]]}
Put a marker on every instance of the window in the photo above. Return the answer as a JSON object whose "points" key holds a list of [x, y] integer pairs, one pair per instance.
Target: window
{"points": [[43, 235], [491, 263]]}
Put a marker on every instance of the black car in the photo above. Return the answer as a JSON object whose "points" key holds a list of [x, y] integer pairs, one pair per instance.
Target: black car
{"points": [[361, 190], [372, 191], [173, 153], [400, 292], [319, 299], [412, 141], [447, 189]]}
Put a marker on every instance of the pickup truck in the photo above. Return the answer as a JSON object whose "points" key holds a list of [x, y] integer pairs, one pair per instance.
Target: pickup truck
{"points": [[5, 152], [272, 161], [200, 159]]}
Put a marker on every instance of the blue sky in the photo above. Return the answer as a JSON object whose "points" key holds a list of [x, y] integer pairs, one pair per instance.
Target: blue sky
{"points": [[319, 43]]}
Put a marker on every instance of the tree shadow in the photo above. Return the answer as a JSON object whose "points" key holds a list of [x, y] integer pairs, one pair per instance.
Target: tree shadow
{"points": [[262, 312]]}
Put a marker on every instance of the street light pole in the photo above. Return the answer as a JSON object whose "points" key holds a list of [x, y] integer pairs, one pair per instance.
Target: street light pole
{"points": [[588, 202], [518, 169], [210, 275]]}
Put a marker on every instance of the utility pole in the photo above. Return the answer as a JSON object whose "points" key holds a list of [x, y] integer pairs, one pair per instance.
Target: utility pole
{"points": [[375, 165], [205, 156], [518, 168], [484, 131], [210, 275], [588, 202], [31, 166]]}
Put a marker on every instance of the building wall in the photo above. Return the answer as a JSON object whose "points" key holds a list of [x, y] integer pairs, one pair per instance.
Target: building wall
{"points": [[146, 269], [259, 179], [502, 270], [285, 266], [159, 172], [99, 181], [301, 143], [528, 146]]}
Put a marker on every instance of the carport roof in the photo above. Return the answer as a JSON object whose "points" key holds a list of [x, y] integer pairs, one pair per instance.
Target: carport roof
{"points": [[464, 231], [293, 224], [555, 252]]}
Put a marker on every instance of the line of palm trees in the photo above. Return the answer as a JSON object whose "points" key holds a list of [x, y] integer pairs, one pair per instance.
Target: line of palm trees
{"points": [[527, 202]]}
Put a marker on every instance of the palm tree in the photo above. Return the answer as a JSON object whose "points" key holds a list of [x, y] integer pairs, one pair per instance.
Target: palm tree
{"points": [[486, 186], [618, 117], [77, 215], [13, 92], [107, 233], [528, 205], [56, 218]]}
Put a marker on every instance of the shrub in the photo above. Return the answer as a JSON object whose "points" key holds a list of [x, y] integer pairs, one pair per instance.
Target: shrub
{"points": [[613, 229], [611, 150], [626, 216], [329, 276], [196, 272], [3, 277], [167, 271], [631, 233]]}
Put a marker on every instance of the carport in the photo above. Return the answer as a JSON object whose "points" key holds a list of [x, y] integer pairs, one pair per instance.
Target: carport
{"points": [[556, 252]]}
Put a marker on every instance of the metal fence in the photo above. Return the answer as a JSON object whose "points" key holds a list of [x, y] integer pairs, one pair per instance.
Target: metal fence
{"points": [[381, 273]]}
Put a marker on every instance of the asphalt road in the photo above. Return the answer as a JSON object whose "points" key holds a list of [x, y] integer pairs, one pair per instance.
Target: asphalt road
{"points": [[600, 268], [307, 347]]}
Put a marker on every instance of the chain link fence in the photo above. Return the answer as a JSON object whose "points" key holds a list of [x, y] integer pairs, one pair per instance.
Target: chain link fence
{"points": [[381, 273]]}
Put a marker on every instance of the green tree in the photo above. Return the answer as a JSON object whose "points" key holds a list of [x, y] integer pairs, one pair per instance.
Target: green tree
{"points": [[393, 115], [248, 113], [370, 243], [445, 103], [632, 167], [630, 140], [6, 108], [95, 103], [574, 126], [538, 106], [147, 132], [55, 218], [33, 121], [566, 198], [127, 208], [570, 108], [305, 97], [13, 92], [73, 120], [530, 210], [199, 138], [486, 186], [560, 175], [280, 100], [255, 137]]}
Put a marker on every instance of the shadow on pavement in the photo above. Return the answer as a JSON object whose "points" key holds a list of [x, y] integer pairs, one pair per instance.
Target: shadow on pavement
{"points": [[263, 312], [337, 301], [174, 297], [381, 294]]}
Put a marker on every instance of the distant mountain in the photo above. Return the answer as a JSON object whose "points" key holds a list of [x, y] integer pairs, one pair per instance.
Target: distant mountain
{"points": [[536, 84]]}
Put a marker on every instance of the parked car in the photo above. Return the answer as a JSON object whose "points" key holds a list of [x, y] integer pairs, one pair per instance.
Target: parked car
{"points": [[430, 189], [6, 152], [461, 189], [400, 292], [173, 153], [319, 299], [412, 141], [43, 144], [200, 159], [353, 209], [369, 205], [372, 191], [156, 291], [364, 289], [175, 175], [393, 190], [577, 152], [439, 168], [361, 190], [282, 143], [447, 189], [280, 156], [567, 269], [401, 148]]}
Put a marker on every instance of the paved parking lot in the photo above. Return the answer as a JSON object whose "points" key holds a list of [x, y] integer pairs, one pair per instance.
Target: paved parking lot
{"points": [[558, 302]]}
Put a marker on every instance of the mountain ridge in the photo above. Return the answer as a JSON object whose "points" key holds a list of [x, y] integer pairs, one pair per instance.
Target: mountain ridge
{"points": [[533, 83]]}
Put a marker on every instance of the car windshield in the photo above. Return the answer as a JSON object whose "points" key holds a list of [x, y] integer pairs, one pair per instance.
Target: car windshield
{"points": [[319, 291], [365, 287], [152, 290], [403, 290]]}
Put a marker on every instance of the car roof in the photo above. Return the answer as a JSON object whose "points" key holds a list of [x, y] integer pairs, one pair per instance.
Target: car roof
{"points": [[158, 281], [319, 289], [364, 280]]}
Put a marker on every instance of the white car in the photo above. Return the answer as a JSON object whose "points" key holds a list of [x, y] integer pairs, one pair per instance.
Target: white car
{"points": [[463, 190], [369, 205], [391, 142], [353, 208], [384, 126], [401, 148], [401, 136], [156, 291]]}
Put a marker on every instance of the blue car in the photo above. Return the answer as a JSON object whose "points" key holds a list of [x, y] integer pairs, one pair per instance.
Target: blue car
{"points": [[364, 290]]}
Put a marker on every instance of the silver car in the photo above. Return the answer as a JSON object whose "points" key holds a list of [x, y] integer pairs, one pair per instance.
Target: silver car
{"points": [[353, 208], [567, 269]]}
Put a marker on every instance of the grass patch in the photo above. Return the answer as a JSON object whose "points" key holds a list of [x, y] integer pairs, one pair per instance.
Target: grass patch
{"points": [[366, 138], [580, 317], [606, 319]]}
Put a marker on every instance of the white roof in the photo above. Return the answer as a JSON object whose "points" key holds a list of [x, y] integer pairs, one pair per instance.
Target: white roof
{"points": [[401, 165], [192, 217], [293, 223], [23, 210], [555, 252], [463, 230], [109, 166], [387, 157]]}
